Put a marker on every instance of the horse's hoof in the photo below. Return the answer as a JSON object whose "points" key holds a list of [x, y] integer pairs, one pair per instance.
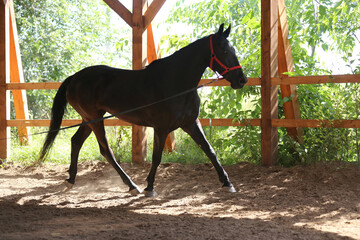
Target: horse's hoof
{"points": [[150, 193], [135, 191], [68, 185], [229, 189]]}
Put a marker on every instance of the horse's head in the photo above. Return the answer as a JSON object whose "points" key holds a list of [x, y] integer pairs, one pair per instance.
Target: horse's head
{"points": [[223, 59]]}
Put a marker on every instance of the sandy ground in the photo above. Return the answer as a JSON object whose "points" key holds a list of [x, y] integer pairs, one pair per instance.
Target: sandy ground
{"points": [[303, 202]]}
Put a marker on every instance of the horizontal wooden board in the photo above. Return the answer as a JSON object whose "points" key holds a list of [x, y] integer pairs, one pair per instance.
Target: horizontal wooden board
{"points": [[311, 123], [355, 78], [33, 85], [224, 83], [65, 122], [230, 122], [55, 85], [118, 122]]}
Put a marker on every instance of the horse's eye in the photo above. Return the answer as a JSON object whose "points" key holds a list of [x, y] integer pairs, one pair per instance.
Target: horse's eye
{"points": [[225, 52]]}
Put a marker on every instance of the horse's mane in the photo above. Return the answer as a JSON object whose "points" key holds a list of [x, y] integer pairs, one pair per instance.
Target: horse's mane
{"points": [[192, 45]]}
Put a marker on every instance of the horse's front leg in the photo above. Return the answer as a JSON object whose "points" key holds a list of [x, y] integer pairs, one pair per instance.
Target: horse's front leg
{"points": [[196, 132], [159, 143]]}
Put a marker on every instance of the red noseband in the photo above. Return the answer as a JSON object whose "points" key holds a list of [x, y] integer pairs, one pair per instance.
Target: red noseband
{"points": [[213, 57]]}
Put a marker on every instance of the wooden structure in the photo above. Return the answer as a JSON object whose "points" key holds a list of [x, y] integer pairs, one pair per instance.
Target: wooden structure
{"points": [[276, 59], [10, 71], [139, 20]]}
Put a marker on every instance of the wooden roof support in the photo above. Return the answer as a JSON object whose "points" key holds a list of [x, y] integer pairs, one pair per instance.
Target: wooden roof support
{"points": [[17, 76], [126, 15], [292, 107], [269, 69], [121, 10], [138, 62], [4, 78], [10, 70], [152, 11], [153, 53], [139, 20]]}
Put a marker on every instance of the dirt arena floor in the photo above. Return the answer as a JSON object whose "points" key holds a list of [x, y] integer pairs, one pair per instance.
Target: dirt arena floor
{"points": [[303, 202]]}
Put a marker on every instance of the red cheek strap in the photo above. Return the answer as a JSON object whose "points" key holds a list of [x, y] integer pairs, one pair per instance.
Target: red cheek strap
{"points": [[213, 57]]}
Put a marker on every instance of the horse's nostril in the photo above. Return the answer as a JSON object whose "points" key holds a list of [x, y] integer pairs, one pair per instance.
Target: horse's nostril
{"points": [[244, 80]]}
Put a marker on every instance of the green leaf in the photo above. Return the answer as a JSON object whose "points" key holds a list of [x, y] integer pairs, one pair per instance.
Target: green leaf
{"points": [[325, 47], [322, 10]]}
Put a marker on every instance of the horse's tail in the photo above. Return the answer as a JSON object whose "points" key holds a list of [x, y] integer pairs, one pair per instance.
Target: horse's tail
{"points": [[57, 113]]}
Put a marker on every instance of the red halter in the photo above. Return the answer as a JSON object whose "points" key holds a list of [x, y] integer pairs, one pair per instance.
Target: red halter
{"points": [[213, 57]]}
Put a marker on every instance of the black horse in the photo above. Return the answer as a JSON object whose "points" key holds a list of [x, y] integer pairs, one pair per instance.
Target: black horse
{"points": [[96, 90]]}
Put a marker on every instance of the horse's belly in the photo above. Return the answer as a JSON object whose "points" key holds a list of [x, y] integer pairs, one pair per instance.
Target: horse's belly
{"points": [[169, 120]]}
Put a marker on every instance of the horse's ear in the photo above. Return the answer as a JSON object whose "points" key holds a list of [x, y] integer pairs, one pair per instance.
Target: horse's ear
{"points": [[227, 31], [221, 30]]}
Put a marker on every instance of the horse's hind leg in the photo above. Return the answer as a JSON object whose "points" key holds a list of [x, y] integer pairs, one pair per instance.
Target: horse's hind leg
{"points": [[105, 150], [196, 133], [76, 143], [159, 142]]}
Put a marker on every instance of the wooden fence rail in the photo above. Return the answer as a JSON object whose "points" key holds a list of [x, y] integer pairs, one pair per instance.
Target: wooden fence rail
{"points": [[354, 78], [312, 123], [305, 123]]}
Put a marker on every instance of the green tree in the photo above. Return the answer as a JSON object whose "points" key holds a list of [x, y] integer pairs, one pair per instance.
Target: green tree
{"points": [[325, 24], [60, 37]]}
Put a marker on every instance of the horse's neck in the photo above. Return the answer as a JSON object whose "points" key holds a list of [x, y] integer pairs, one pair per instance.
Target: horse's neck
{"points": [[190, 62]]}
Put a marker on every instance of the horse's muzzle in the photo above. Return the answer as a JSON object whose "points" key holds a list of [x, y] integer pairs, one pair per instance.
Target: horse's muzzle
{"points": [[239, 84]]}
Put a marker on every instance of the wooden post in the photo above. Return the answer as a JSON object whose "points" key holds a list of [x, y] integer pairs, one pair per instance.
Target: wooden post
{"points": [[269, 69], [139, 61], [139, 20], [17, 76], [292, 107], [153, 53], [4, 78]]}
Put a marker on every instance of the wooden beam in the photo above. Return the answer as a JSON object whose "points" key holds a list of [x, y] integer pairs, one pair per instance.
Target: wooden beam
{"points": [[224, 83], [353, 78], [138, 62], [121, 10], [283, 34], [269, 69], [139, 37], [230, 122], [4, 78], [17, 76], [153, 53], [309, 123], [152, 11], [118, 122], [33, 85], [292, 107], [314, 123], [56, 85], [65, 122]]}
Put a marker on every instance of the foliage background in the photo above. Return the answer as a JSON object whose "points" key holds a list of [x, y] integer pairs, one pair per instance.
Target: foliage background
{"points": [[315, 27], [60, 37]]}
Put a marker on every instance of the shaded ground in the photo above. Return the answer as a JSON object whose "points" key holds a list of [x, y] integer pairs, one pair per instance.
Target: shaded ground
{"points": [[316, 202]]}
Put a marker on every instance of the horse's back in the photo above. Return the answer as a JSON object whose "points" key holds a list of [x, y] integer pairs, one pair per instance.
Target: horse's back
{"points": [[99, 89], [97, 86]]}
